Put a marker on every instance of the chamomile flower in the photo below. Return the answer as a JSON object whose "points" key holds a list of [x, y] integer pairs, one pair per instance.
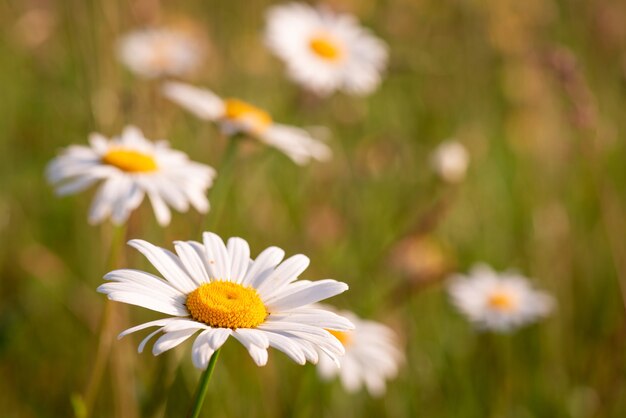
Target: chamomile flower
{"points": [[236, 116], [220, 292], [324, 51], [159, 52], [129, 167], [372, 356], [450, 161], [498, 302]]}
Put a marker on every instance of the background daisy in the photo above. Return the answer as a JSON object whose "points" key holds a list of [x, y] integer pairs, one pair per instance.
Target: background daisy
{"points": [[219, 291], [498, 302], [158, 52], [234, 116], [323, 51], [450, 161], [129, 167], [372, 356]]}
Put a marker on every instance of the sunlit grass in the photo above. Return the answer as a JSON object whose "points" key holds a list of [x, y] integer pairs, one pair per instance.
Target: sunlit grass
{"points": [[544, 194]]}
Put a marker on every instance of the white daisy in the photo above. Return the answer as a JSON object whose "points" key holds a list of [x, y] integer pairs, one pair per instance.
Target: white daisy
{"points": [[158, 52], [450, 161], [234, 116], [130, 166], [220, 291], [498, 302], [323, 51], [372, 356]]}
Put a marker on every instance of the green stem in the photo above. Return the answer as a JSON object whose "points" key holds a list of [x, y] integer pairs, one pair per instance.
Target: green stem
{"points": [[202, 386], [219, 194]]}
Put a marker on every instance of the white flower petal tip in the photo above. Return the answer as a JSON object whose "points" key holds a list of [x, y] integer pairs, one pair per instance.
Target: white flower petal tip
{"points": [[325, 52], [499, 302], [372, 356], [160, 52], [450, 161], [237, 116], [215, 287], [128, 168]]}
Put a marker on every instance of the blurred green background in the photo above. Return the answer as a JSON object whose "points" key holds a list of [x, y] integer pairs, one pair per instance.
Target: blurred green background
{"points": [[535, 89]]}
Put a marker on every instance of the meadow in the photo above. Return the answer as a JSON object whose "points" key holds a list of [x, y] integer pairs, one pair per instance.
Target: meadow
{"points": [[535, 90]]}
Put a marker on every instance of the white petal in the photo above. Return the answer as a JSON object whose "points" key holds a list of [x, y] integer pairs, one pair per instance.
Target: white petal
{"points": [[217, 256], [193, 263], [161, 211], [248, 339], [134, 298], [239, 252], [218, 337], [171, 339], [201, 352], [288, 346], [263, 266], [201, 102], [166, 263], [157, 323], [287, 272], [316, 292]]}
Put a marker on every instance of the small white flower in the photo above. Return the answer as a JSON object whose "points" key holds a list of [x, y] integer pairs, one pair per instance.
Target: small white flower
{"points": [[498, 302], [220, 291], [159, 52], [130, 166], [372, 356], [323, 51], [234, 116], [450, 161]]}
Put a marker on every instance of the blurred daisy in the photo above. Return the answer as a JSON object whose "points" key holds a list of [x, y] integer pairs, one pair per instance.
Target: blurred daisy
{"points": [[323, 51], [158, 52], [498, 302], [450, 161], [130, 166], [220, 291], [372, 356], [235, 116]]}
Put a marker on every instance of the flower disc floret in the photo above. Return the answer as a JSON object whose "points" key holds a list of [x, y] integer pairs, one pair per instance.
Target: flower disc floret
{"points": [[226, 305], [130, 161], [501, 301], [238, 110], [326, 47], [344, 337]]}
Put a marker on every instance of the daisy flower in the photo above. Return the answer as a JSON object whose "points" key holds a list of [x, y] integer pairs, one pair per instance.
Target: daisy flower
{"points": [[498, 302], [129, 167], [450, 161], [158, 52], [219, 291], [372, 356], [236, 116], [323, 51]]}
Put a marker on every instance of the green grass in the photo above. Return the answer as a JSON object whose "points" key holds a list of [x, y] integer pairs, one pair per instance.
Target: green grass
{"points": [[545, 194]]}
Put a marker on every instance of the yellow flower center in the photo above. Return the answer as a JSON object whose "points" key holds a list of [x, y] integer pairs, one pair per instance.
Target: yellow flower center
{"points": [[238, 110], [130, 161], [501, 301], [326, 47], [345, 338], [226, 305]]}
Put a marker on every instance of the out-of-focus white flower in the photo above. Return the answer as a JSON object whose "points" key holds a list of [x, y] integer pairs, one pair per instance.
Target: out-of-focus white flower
{"points": [[219, 290], [372, 356], [129, 167], [234, 115], [498, 302], [159, 52], [323, 51], [450, 161]]}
